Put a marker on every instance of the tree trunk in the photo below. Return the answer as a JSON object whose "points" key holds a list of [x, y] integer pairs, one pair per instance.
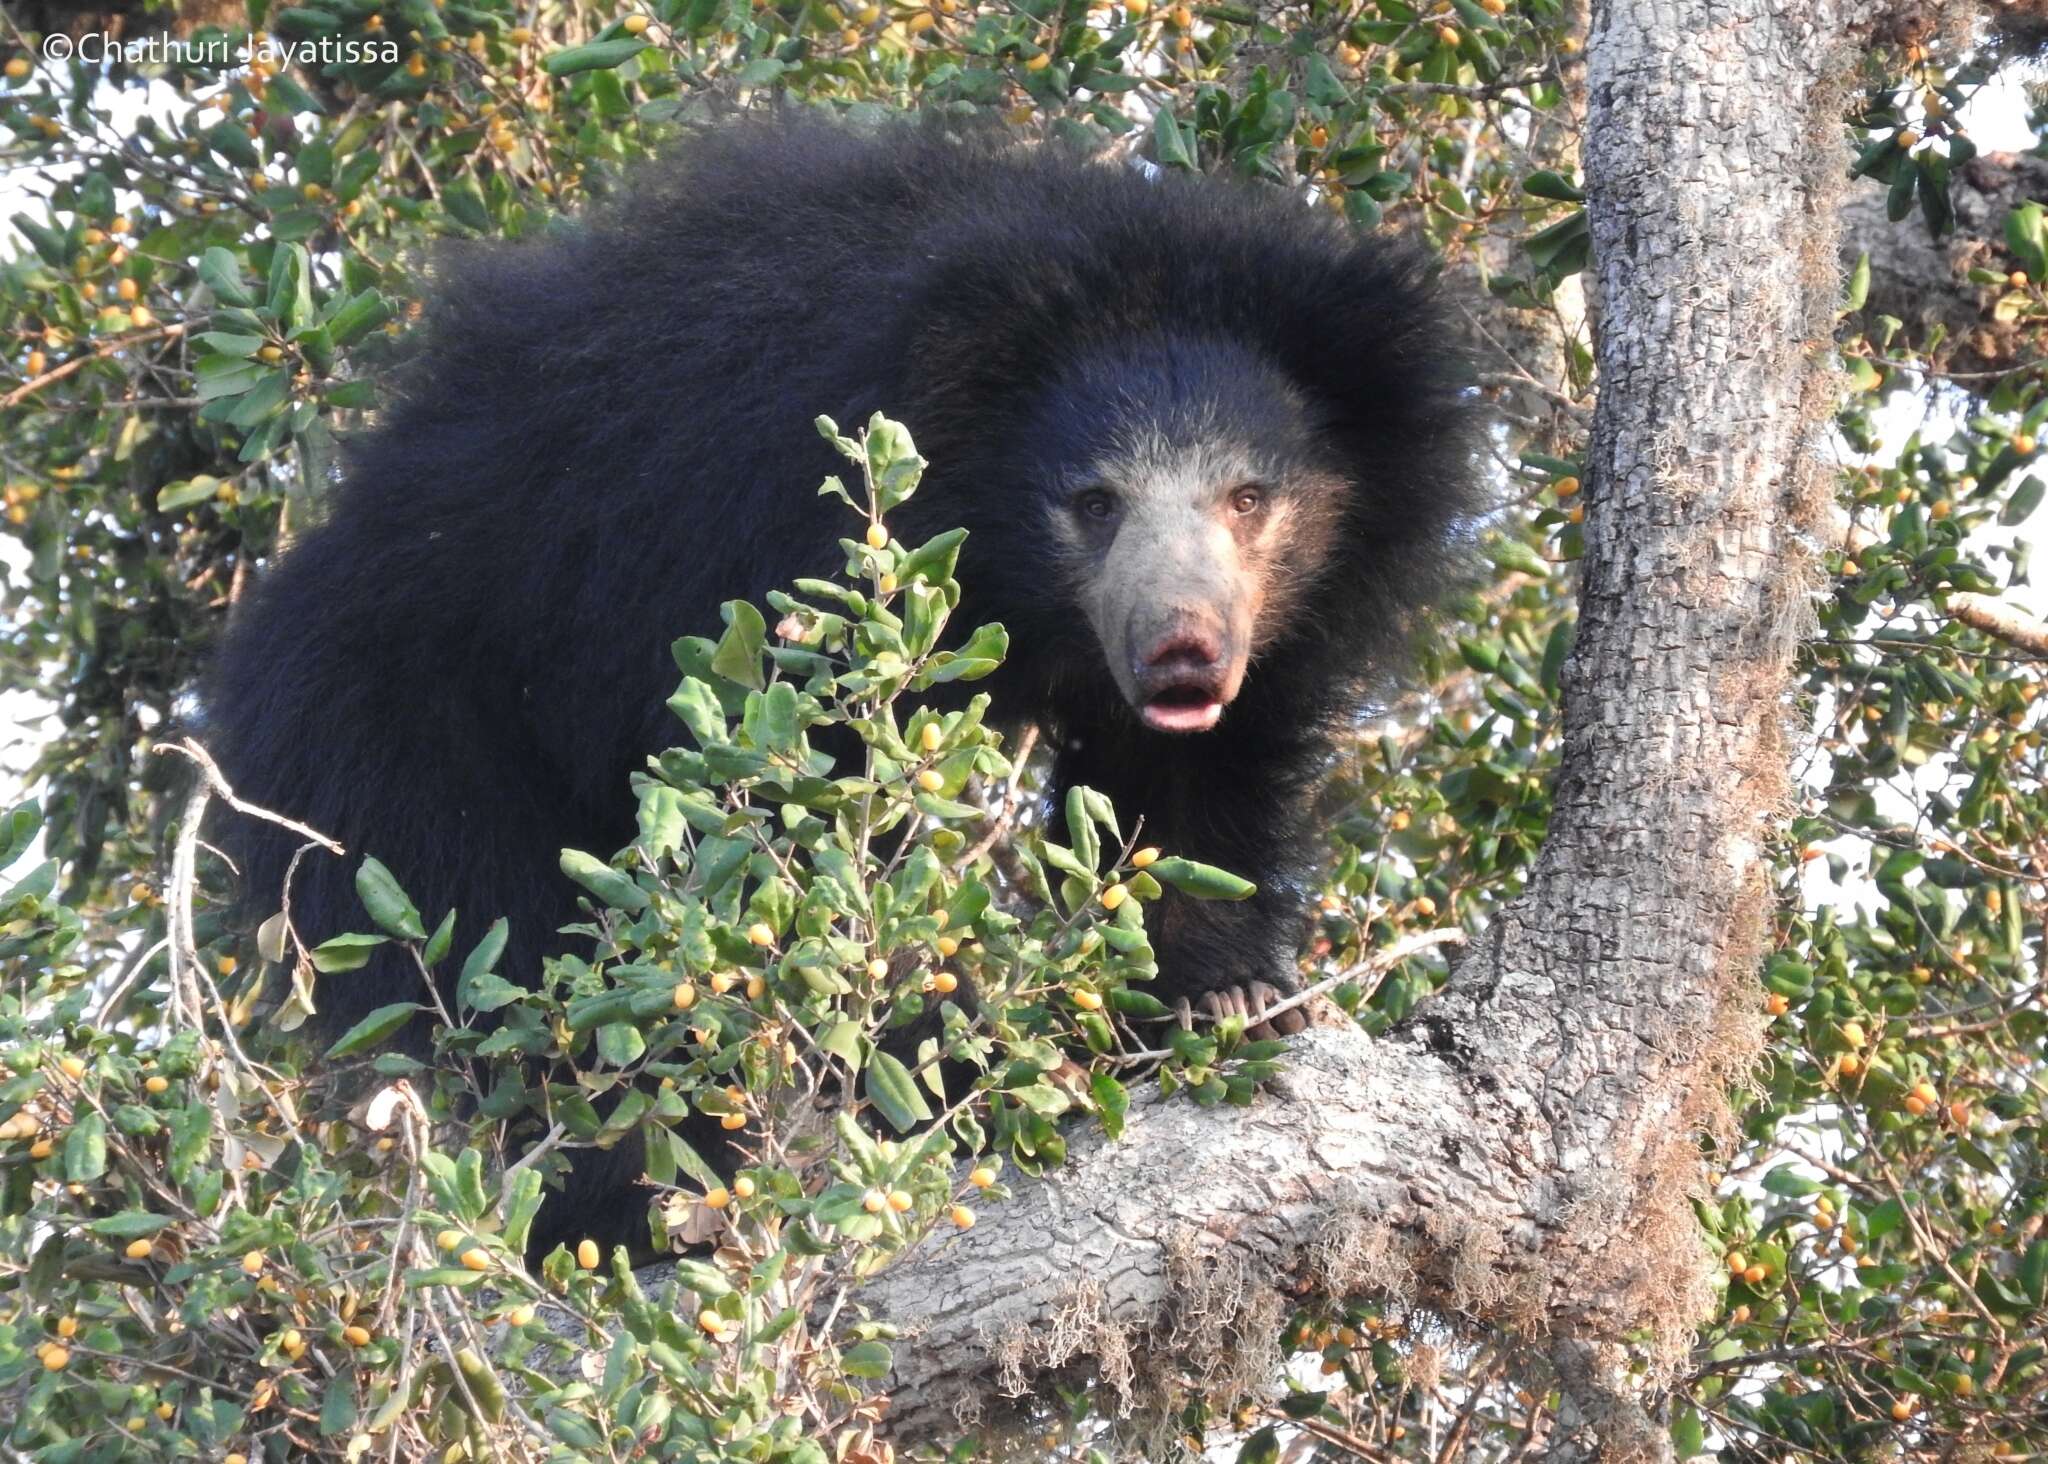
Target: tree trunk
{"points": [[1521, 1157]]}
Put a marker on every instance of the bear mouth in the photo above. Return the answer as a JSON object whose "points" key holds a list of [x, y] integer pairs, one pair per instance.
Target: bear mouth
{"points": [[1187, 706]]}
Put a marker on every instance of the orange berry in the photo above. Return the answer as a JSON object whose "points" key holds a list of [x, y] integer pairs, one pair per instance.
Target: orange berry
{"points": [[981, 1176], [67, 1327], [945, 983], [718, 1199], [476, 1258], [874, 1202], [733, 1121], [1755, 1275], [899, 1200], [56, 1358], [587, 1254], [684, 996], [1087, 1000], [961, 1216], [1777, 1004], [156, 1083], [2023, 444], [760, 935], [252, 1262], [711, 1322], [356, 1336]]}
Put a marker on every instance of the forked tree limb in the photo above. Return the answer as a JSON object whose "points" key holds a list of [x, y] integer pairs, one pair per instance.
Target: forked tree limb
{"points": [[1523, 1155]]}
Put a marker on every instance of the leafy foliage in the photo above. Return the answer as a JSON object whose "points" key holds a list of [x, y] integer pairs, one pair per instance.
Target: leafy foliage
{"points": [[217, 256]]}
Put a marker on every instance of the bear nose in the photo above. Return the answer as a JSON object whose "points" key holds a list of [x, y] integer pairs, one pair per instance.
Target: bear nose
{"points": [[1181, 652]]}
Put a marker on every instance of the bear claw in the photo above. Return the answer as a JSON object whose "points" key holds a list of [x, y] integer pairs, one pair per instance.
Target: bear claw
{"points": [[1250, 1002]]}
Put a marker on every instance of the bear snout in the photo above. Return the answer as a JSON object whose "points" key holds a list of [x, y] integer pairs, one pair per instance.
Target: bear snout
{"points": [[1184, 680]]}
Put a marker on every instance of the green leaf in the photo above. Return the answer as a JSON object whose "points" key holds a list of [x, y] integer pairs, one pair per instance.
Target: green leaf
{"points": [[373, 1029], [1170, 145], [1787, 1181], [738, 653], [349, 952], [597, 56], [890, 1088], [609, 885], [1859, 285], [866, 1360], [85, 1149], [129, 1225], [387, 903], [338, 1405], [1203, 881], [174, 496], [1546, 184]]}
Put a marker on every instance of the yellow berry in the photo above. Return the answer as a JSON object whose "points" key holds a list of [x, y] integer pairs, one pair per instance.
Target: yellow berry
{"points": [[1902, 1409], [981, 1176], [961, 1216], [1087, 1000], [878, 537], [1737, 1263], [67, 1327], [17, 67], [760, 935], [757, 986], [1145, 858], [948, 946], [1114, 896], [137, 1250], [635, 25], [74, 1068], [917, 25], [127, 289], [722, 981], [684, 996], [711, 1322], [874, 1202], [1425, 907], [40, 1149], [877, 969], [252, 1262], [929, 737], [743, 1187], [356, 1336], [476, 1258], [945, 983], [521, 1315], [1448, 34], [157, 1083], [449, 1240], [930, 781], [718, 1199], [1038, 62], [519, 35], [587, 1254], [899, 1200]]}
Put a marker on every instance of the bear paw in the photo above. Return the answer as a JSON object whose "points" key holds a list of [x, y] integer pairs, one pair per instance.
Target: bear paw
{"points": [[1250, 1001]]}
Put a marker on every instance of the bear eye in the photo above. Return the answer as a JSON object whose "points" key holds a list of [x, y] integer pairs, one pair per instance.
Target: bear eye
{"points": [[1247, 499], [1098, 504]]}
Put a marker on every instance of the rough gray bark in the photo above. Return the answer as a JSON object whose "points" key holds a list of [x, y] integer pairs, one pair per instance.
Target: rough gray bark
{"points": [[1521, 1157]]}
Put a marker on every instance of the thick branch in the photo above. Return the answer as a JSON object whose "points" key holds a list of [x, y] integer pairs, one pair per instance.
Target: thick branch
{"points": [[1174, 1253]]}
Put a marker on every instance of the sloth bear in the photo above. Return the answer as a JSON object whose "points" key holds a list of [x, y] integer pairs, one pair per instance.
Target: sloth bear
{"points": [[1212, 448]]}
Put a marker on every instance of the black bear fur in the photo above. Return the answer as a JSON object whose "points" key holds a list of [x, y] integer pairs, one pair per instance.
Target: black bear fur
{"points": [[607, 432]]}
